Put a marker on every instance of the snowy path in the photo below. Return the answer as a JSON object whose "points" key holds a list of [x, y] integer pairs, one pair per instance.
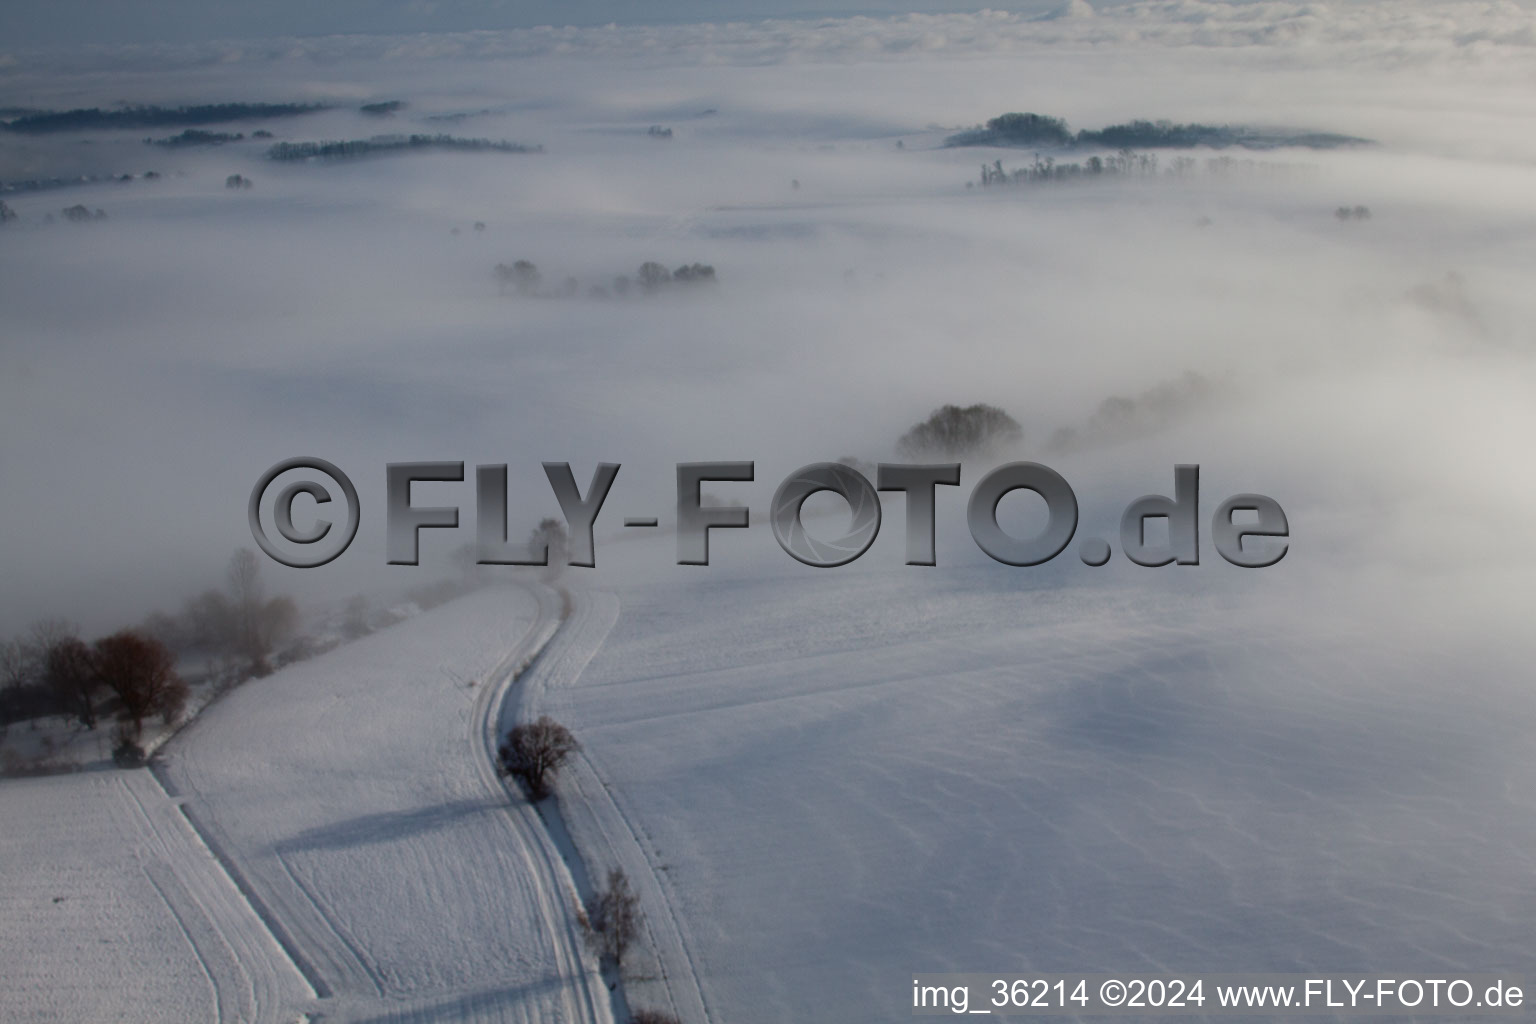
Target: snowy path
{"points": [[354, 798], [661, 975]]}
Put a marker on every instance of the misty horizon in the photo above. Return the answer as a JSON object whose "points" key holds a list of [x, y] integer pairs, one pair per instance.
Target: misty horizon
{"points": [[1287, 242], [86, 21]]}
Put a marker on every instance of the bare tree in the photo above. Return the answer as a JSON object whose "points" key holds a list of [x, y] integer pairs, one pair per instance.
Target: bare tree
{"points": [[523, 276], [695, 273], [247, 596], [209, 621], [45, 633], [533, 752], [653, 275], [952, 432], [259, 624], [71, 672], [550, 536], [142, 673], [16, 664], [613, 918], [53, 655], [24, 689]]}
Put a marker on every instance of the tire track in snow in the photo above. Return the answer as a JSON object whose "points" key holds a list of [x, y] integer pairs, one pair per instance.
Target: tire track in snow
{"points": [[327, 962], [341, 973], [251, 976], [602, 832], [213, 959], [318, 989], [554, 888]]}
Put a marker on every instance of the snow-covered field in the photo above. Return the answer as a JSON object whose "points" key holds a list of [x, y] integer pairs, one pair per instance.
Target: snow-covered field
{"points": [[116, 910], [973, 777], [404, 886], [819, 782], [969, 773], [405, 881]]}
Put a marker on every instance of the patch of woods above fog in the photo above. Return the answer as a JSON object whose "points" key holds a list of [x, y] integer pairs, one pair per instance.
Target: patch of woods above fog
{"points": [[1121, 418], [524, 278], [1027, 129], [382, 144], [199, 137], [1128, 163], [49, 184], [957, 432], [96, 119]]}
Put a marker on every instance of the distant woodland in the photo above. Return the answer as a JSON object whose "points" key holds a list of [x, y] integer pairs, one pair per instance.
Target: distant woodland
{"points": [[1040, 130], [195, 137], [381, 144], [94, 118]]}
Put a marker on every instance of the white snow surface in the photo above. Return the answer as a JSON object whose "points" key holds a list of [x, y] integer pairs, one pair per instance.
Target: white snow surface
{"points": [[368, 821], [818, 782], [386, 872], [969, 772], [122, 913]]}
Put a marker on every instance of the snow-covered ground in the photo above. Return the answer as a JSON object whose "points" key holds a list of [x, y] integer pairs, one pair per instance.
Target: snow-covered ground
{"points": [[832, 791], [330, 839], [355, 796], [815, 794], [818, 781], [116, 910]]}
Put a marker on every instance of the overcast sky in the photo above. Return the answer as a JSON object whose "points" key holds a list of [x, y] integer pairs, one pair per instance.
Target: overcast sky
{"points": [[101, 21]]}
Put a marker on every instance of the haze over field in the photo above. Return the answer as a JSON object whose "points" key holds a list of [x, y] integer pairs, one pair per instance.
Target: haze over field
{"points": [[826, 779], [201, 334]]}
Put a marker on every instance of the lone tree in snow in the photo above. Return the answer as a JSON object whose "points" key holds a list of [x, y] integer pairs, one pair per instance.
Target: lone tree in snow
{"points": [[953, 432], [141, 672], [613, 918], [534, 752], [549, 537]]}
